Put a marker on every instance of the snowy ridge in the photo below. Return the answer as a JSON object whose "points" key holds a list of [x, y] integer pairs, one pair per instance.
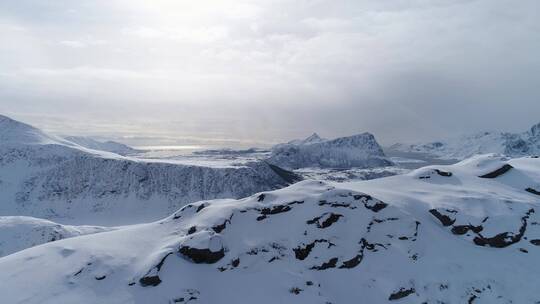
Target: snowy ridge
{"points": [[109, 146], [361, 151], [512, 144], [440, 234], [13, 132], [47, 177]]}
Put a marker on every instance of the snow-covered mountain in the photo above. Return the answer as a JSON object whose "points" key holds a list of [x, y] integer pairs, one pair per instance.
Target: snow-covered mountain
{"points": [[440, 234], [109, 146], [44, 176], [15, 133], [512, 144], [312, 139], [361, 151]]}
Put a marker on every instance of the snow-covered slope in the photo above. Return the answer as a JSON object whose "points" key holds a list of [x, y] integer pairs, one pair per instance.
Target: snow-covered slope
{"points": [[512, 144], [109, 146], [16, 133], [21, 232], [47, 177], [361, 151], [466, 233]]}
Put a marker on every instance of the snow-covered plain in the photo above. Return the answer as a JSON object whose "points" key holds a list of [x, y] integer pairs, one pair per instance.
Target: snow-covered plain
{"points": [[464, 233]]}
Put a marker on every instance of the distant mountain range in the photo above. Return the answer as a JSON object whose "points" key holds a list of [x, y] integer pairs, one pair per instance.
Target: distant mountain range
{"points": [[46, 176], [510, 144], [109, 146], [360, 151]]}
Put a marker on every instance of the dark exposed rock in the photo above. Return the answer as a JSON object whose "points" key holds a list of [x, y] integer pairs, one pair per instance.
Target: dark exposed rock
{"points": [[365, 245], [370, 203], [443, 173], [462, 229], [504, 239], [78, 272], [535, 242], [201, 207], [219, 228], [301, 253], [295, 290], [378, 221], [192, 230], [401, 293], [416, 225], [355, 261], [502, 170], [444, 219], [235, 262], [202, 256], [330, 219], [150, 281], [261, 197], [276, 209], [336, 204], [160, 264], [153, 280], [326, 265], [533, 191], [99, 278]]}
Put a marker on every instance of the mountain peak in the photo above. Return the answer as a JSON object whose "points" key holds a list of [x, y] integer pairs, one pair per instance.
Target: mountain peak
{"points": [[7, 120], [16, 132], [313, 138], [359, 151], [535, 130]]}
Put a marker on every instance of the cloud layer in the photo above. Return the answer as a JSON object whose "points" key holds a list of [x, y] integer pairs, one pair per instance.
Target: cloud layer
{"points": [[271, 70]]}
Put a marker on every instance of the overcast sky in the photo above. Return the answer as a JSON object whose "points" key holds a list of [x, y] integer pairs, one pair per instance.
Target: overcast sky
{"points": [[265, 71]]}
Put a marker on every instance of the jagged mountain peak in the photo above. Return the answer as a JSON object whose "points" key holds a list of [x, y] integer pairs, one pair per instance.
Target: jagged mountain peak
{"points": [[535, 130], [313, 138]]}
